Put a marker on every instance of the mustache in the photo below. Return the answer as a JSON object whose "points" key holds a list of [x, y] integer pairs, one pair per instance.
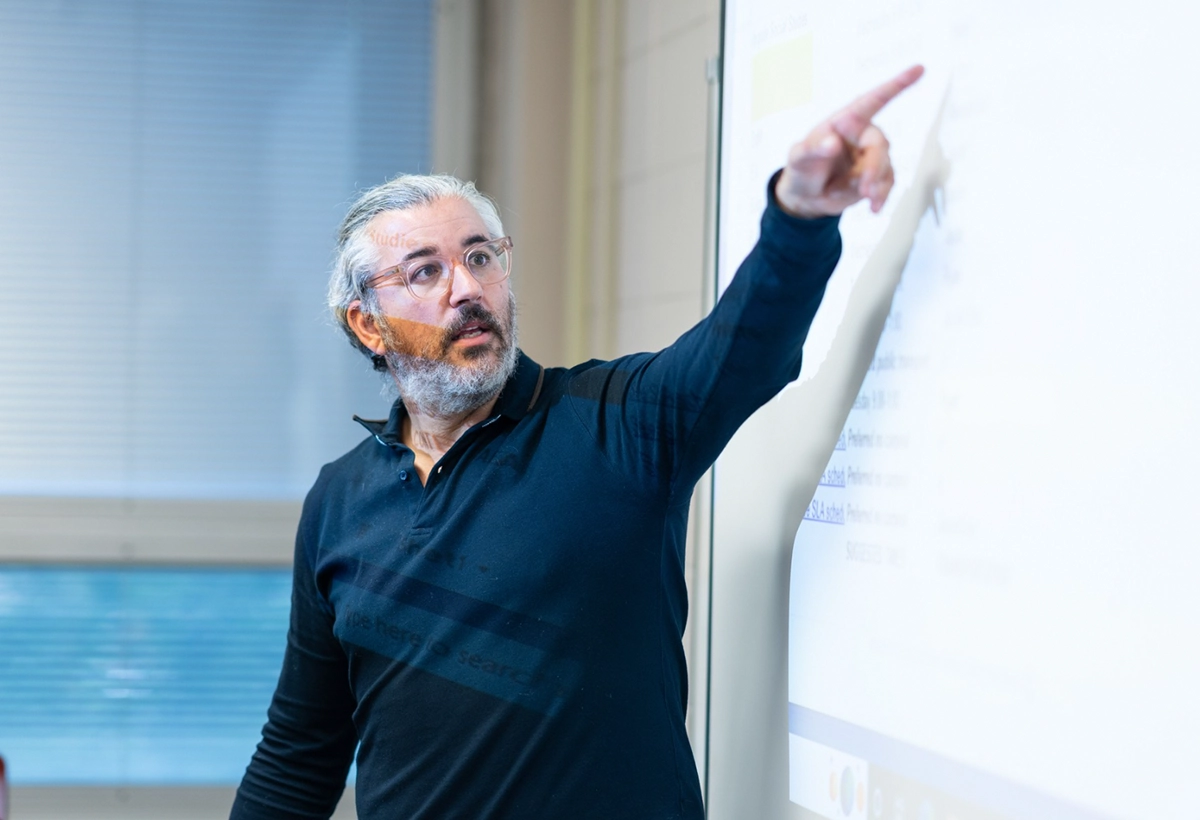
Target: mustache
{"points": [[468, 313]]}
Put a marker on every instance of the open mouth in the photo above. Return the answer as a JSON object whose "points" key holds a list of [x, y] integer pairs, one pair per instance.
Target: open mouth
{"points": [[472, 330]]}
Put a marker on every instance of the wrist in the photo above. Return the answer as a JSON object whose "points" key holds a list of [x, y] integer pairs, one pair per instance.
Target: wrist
{"points": [[797, 210], [792, 206]]}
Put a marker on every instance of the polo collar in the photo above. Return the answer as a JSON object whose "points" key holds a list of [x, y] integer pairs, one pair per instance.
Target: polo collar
{"points": [[518, 397], [522, 390]]}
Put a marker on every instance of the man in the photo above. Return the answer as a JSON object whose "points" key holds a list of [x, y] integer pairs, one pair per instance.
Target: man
{"points": [[489, 595]]}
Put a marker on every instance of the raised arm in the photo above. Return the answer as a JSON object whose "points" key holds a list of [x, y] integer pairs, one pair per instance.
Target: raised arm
{"points": [[666, 416]]}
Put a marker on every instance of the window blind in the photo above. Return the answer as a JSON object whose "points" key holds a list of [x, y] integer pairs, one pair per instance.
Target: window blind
{"points": [[172, 177]]}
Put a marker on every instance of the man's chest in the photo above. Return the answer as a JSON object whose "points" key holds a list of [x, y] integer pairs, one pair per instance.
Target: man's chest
{"points": [[504, 572]]}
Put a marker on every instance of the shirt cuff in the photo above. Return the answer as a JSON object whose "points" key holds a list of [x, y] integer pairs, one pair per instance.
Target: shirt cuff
{"points": [[781, 229]]}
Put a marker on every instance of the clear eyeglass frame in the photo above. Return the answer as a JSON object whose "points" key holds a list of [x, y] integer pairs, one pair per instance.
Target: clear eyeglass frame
{"points": [[427, 277]]}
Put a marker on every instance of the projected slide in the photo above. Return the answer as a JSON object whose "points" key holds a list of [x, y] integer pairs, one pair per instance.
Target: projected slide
{"points": [[993, 606], [790, 75]]}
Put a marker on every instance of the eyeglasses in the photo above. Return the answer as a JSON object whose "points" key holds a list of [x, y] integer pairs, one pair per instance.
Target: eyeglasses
{"points": [[429, 276]]}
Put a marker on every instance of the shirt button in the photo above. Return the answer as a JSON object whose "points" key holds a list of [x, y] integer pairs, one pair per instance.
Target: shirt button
{"points": [[404, 475], [439, 470]]}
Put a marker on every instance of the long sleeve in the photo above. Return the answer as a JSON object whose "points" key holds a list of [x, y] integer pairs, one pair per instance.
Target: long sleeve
{"points": [[299, 769], [666, 416]]}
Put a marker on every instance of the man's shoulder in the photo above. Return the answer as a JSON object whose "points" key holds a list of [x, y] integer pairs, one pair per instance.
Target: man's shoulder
{"points": [[351, 468], [600, 379]]}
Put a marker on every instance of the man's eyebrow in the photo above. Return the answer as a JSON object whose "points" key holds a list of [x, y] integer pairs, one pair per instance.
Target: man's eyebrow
{"points": [[430, 250]]}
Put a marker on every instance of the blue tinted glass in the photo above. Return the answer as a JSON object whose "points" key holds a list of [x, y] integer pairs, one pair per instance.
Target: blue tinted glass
{"points": [[137, 676]]}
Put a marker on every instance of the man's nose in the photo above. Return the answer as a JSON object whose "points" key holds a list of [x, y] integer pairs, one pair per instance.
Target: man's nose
{"points": [[464, 287]]}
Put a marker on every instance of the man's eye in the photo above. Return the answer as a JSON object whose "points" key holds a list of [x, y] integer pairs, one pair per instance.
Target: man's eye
{"points": [[424, 274], [480, 259]]}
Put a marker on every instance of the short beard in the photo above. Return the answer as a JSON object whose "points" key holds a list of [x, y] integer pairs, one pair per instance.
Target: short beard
{"points": [[435, 387]]}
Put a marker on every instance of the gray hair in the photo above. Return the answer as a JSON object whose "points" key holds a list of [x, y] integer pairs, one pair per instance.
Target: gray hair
{"points": [[357, 255]]}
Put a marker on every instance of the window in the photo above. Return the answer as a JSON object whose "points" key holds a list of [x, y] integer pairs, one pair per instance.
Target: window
{"points": [[169, 380], [137, 676]]}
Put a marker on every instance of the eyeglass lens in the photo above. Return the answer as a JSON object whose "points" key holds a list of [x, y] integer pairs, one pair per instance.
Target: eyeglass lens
{"points": [[488, 262]]}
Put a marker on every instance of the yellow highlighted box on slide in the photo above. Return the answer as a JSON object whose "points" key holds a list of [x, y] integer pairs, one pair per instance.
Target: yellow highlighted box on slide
{"points": [[782, 77]]}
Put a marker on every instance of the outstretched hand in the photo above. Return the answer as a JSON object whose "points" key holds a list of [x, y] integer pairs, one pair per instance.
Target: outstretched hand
{"points": [[844, 159]]}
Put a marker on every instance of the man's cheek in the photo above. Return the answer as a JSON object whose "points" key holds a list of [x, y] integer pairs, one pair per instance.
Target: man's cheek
{"points": [[411, 338]]}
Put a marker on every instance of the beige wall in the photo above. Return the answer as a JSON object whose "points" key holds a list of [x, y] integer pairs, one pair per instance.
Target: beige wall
{"points": [[136, 803], [660, 180], [524, 135], [592, 136]]}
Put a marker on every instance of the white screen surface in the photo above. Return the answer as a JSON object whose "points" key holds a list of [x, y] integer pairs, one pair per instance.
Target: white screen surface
{"points": [[992, 608]]}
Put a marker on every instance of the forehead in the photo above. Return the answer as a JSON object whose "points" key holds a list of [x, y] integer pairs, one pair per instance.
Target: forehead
{"points": [[446, 224]]}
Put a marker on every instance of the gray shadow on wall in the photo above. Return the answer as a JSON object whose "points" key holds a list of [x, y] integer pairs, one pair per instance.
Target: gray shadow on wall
{"points": [[749, 774], [853, 349]]}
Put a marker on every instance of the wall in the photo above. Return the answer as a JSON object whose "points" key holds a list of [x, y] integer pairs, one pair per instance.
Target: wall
{"points": [[593, 137], [523, 137], [660, 178]]}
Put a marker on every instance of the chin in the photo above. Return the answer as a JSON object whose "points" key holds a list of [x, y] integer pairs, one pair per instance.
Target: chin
{"points": [[474, 354]]}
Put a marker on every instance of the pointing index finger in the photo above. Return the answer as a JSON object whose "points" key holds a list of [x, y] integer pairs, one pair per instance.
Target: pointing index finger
{"points": [[854, 118]]}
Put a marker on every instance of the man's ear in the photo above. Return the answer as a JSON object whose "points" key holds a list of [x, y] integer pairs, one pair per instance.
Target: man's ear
{"points": [[364, 328]]}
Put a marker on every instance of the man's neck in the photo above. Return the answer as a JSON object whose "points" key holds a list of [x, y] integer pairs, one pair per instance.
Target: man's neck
{"points": [[430, 436]]}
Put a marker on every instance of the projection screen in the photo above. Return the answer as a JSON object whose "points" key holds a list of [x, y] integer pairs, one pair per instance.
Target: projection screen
{"points": [[981, 477]]}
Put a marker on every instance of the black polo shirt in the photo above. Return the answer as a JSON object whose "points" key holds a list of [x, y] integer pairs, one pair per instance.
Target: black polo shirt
{"points": [[505, 641]]}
